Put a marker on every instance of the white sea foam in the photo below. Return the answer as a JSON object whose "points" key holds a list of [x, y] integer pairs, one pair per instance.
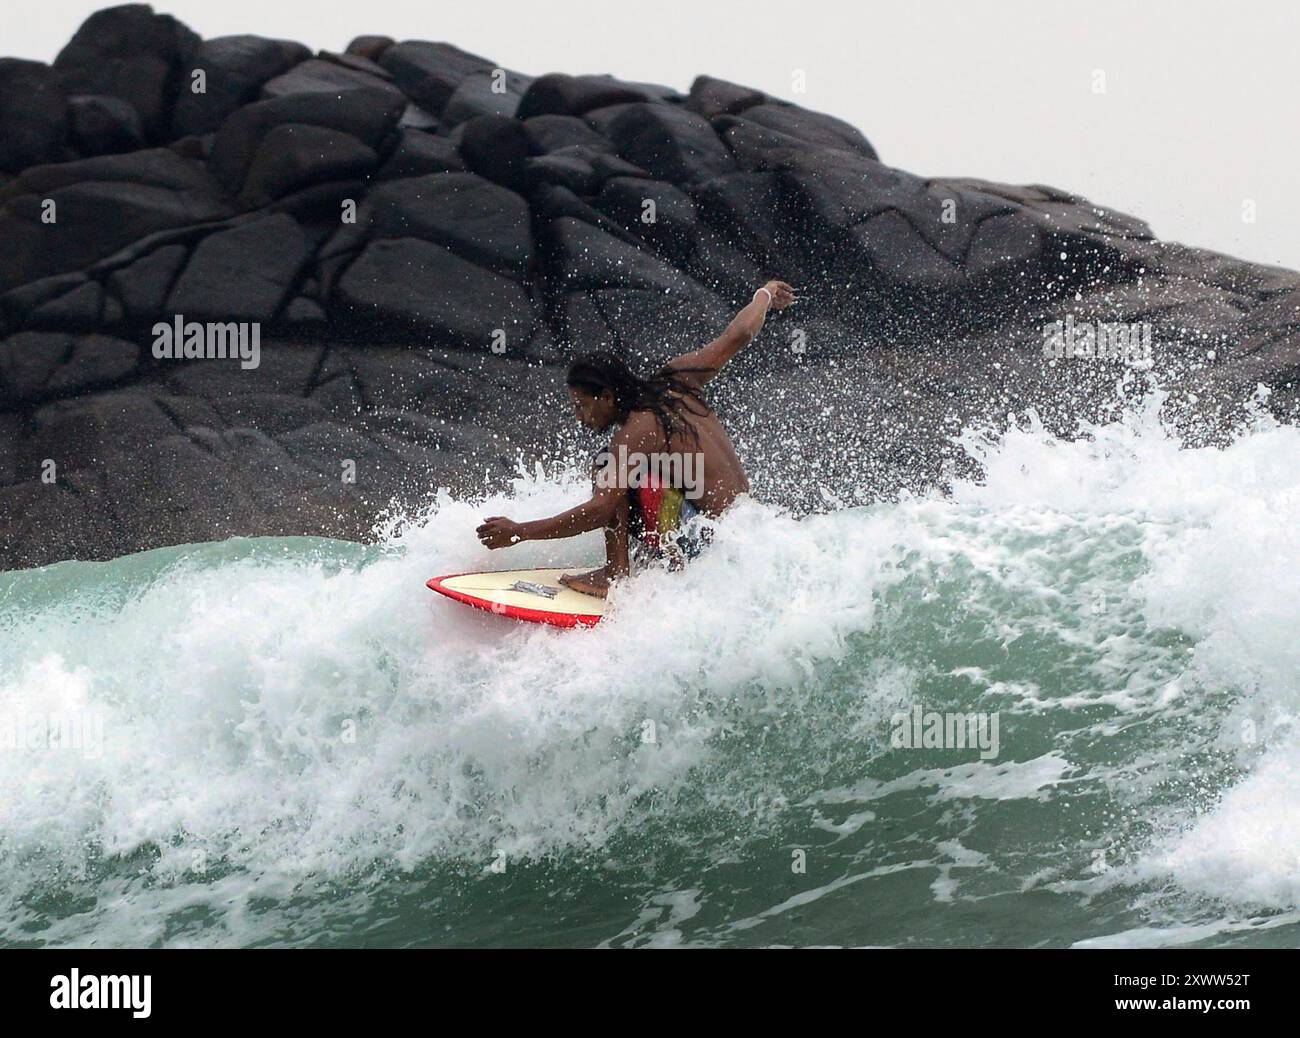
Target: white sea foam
{"points": [[290, 712]]}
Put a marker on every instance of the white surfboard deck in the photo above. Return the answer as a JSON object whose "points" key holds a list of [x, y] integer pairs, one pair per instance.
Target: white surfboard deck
{"points": [[534, 595]]}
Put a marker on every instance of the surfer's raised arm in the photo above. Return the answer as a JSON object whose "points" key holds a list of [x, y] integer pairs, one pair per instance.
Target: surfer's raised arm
{"points": [[705, 363]]}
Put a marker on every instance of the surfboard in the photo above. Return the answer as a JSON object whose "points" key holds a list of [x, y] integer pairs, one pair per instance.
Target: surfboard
{"points": [[535, 595]]}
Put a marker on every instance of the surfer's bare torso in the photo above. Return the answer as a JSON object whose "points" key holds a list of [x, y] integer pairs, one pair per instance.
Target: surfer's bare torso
{"points": [[722, 476]]}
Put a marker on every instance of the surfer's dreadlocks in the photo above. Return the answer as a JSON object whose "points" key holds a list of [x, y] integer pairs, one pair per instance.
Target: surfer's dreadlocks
{"points": [[663, 394]]}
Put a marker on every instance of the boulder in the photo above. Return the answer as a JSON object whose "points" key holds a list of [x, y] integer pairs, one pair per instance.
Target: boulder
{"points": [[478, 220], [585, 329], [560, 94], [669, 142], [96, 361], [293, 156], [102, 205], [41, 365], [815, 128], [902, 256], [406, 283], [429, 73], [372, 47], [318, 76], [143, 285], [485, 93], [659, 213], [130, 53], [357, 63], [585, 257], [570, 168], [549, 133], [368, 115], [752, 209], [33, 114], [758, 148], [17, 303], [234, 70], [27, 362], [1004, 242], [102, 125], [219, 284], [710, 97], [497, 148], [82, 308], [651, 327], [551, 202], [418, 153]]}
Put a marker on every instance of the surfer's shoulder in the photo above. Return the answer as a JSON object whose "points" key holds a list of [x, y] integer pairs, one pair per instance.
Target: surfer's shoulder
{"points": [[639, 427]]}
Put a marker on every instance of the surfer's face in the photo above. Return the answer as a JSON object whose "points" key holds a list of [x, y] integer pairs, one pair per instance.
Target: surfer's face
{"points": [[595, 412]]}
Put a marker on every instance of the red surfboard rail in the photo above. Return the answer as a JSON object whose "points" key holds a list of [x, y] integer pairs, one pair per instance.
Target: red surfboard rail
{"points": [[536, 616]]}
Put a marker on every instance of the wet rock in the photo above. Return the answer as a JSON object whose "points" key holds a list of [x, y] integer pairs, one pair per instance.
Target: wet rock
{"points": [[143, 286], [40, 365], [368, 115], [403, 283], [102, 205], [219, 284], [234, 70], [102, 125], [429, 73], [671, 143], [33, 114], [559, 94], [329, 77], [476, 219], [418, 153], [293, 156], [130, 53]]}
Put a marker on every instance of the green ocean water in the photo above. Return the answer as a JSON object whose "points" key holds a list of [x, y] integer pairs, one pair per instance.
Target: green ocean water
{"points": [[292, 742]]}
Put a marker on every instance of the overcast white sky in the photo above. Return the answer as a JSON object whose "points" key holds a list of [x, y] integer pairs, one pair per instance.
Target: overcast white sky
{"points": [[1198, 114]]}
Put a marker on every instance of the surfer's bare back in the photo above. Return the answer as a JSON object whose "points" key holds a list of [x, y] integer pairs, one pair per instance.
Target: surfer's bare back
{"points": [[661, 417]]}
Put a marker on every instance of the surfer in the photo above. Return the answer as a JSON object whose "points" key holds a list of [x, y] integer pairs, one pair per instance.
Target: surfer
{"points": [[664, 416]]}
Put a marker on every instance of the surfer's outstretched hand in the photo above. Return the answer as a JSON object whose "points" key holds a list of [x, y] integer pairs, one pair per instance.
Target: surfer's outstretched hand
{"points": [[499, 532], [782, 294]]}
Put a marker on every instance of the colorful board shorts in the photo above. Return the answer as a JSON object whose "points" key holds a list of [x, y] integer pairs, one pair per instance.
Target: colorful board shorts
{"points": [[670, 526]]}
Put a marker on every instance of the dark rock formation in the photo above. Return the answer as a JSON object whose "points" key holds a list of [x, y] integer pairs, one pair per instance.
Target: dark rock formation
{"points": [[423, 238], [131, 54], [234, 67]]}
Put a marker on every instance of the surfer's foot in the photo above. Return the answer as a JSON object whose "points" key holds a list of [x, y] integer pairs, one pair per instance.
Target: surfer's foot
{"points": [[594, 582]]}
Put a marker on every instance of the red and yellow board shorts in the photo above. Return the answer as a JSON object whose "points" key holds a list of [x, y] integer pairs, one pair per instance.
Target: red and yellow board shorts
{"points": [[668, 522]]}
